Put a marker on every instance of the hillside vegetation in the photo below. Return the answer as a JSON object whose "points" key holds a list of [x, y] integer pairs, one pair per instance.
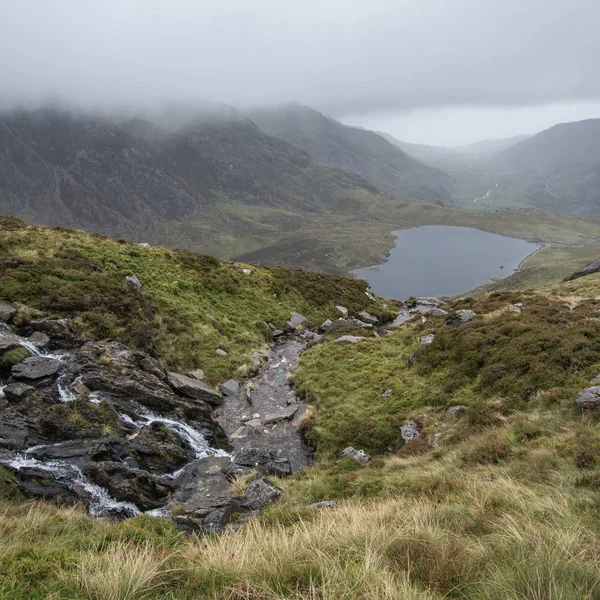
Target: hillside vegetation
{"points": [[503, 503], [189, 305]]}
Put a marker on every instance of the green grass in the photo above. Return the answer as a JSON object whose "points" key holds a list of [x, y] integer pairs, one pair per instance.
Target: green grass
{"points": [[189, 304]]}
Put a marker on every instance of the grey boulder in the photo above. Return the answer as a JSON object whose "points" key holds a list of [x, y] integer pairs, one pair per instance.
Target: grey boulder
{"points": [[589, 398], [460, 317], [17, 391], [296, 321], [360, 456], [409, 431], [7, 312], [230, 388], [36, 367], [349, 339], [368, 318], [192, 388]]}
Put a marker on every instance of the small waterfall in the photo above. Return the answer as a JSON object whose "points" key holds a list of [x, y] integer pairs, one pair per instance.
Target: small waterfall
{"points": [[195, 439], [35, 351], [65, 392], [102, 503]]}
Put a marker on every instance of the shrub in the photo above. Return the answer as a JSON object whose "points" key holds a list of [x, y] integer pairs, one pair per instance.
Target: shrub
{"points": [[490, 451]]}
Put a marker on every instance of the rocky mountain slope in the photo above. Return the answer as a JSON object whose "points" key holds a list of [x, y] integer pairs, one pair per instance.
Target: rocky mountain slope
{"points": [[567, 159], [355, 150], [191, 185]]}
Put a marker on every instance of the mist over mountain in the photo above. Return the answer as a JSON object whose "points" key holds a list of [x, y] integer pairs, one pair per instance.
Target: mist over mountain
{"points": [[356, 150], [187, 184]]}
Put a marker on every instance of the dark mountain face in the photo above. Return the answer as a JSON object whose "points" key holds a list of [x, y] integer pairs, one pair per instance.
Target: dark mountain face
{"points": [[567, 159], [134, 179], [355, 150]]}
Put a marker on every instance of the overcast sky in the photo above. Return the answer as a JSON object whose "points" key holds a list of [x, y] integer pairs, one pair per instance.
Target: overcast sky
{"points": [[430, 71]]}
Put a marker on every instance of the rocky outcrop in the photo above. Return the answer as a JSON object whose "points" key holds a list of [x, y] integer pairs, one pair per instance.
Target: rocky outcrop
{"points": [[359, 456], [36, 367], [587, 270], [7, 312], [409, 431], [193, 388]]}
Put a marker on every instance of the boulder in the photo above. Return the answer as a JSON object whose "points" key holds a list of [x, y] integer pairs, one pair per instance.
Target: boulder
{"points": [[427, 339], [192, 388], [409, 431], [38, 339], [138, 487], [455, 410], [349, 339], [326, 325], [57, 329], [360, 456], [269, 461], [429, 301], [9, 341], [343, 311], [370, 297], [16, 392], [145, 245], [221, 352], [230, 388], [260, 492], [388, 392], [282, 415], [259, 358], [36, 367], [134, 281], [36, 482], [437, 312], [589, 398], [7, 312], [296, 321], [365, 316], [246, 271], [460, 317]]}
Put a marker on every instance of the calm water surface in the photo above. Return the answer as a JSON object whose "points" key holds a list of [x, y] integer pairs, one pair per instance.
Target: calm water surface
{"points": [[444, 261]]}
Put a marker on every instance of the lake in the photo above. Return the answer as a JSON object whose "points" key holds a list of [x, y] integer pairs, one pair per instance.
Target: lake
{"points": [[444, 261]]}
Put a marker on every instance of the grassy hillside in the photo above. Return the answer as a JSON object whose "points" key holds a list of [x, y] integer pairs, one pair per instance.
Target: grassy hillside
{"points": [[189, 304], [500, 501]]}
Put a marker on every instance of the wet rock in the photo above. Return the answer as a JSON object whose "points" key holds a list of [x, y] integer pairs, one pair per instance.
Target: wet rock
{"points": [[138, 487], [296, 321], [282, 415], [134, 281], [427, 339], [343, 311], [359, 456], [326, 325], [267, 460], [192, 388], [39, 339], [9, 341], [36, 367], [230, 388], [158, 450], [368, 318], [260, 492], [196, 374], [16, 392], [409, 431], [203, 486], [455, 410], [460, 317], [589, 398], [7, 313], [349, 339], [221, 352], [39, 483]]}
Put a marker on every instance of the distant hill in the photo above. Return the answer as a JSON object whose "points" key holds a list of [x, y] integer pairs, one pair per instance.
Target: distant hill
{"points": [[490, 147], [355, 150], [567, 159], [427, 154], [217, 183]]}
